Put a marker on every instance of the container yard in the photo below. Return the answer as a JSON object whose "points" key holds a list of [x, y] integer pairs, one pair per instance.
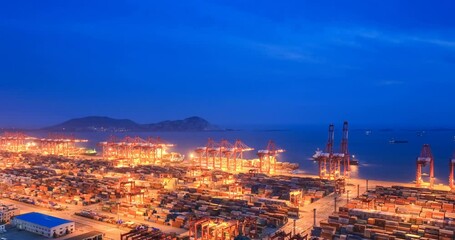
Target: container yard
{"points": [[141, 186], [137, 184], [395, 212]]}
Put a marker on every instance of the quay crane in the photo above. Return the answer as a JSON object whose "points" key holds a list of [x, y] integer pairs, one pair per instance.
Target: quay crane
{"points": [[222, 155], [451, 176], [334, 165], [326, 158], [267, 158], [55, 144], [15, 142], [345, 151], [425, 158], [137, 150]]}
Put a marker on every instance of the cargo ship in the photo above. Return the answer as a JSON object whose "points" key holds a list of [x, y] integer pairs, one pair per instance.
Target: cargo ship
{"points": [[89, 152], [287, 166], [173, 157], [319, 153], [354, 161], [393, 141]]}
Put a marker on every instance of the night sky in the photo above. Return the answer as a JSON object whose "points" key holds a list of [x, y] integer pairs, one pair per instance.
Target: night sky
{"points": [[232, 62]]}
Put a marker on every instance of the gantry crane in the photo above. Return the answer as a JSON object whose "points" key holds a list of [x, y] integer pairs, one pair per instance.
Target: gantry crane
{"points": [[213, 228], [15, 142], [55, 144], [267, 158], [225, 149], [222, 155], [345, 151], [330, 163], [59, 144], [136, 150], [206, 154], [452, 169], [425, 158], [239, 149], [132, 191], [325, 158]]}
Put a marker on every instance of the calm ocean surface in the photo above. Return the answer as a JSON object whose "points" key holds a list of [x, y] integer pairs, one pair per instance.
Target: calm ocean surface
{"points": [[378, 158]]}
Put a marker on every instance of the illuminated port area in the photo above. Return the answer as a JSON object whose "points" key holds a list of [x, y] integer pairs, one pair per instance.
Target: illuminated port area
{"points": [[395, 212], [227, 120], [139, 188]]}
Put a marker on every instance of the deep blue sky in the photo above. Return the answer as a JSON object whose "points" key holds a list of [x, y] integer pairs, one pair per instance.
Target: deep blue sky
{"points": [[232, 62]]}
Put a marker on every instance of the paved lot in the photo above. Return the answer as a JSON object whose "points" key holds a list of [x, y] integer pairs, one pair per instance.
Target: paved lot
{"points": [[326, 206], [82, 224], [13, 234], [85, 224]]}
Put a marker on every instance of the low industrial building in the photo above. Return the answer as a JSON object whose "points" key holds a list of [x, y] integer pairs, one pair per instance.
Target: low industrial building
{"points": [[7, 212], [43, 224], [92, 235]]}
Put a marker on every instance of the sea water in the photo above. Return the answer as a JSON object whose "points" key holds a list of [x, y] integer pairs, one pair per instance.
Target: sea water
{"points": [[378, 159]]}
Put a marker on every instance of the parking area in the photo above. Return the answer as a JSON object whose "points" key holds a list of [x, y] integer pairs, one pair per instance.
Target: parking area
{"points": [[13, 233]]}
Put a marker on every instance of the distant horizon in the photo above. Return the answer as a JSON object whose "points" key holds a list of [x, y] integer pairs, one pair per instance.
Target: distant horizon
{"points": [[260, 126]]}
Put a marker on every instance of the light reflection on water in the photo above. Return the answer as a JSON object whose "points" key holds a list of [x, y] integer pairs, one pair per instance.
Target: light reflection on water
{"points": [[378, 159]]}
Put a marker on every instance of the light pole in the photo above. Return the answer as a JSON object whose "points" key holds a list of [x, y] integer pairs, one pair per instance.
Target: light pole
{"points": [[335, 201], [347, 195], [294, 226], [314, 217], [118, 214]]}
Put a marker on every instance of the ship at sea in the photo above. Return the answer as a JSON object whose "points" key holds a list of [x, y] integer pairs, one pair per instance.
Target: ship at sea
{"points": [[353, 160], [89, 152], [394, 141], [318, 154]]}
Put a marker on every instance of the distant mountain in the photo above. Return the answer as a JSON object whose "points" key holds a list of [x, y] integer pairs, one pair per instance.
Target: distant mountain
{"points": [[187, 124], [106, 124]]}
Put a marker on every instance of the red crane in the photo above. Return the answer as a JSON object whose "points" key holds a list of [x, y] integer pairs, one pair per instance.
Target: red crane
{"points": [[451, 176], [222, 155], [59, 144], [345, 151], [330, 159], [225, 152], [213, 150], [110, 148], [136, 150], [239, 148], [425, 158], [207, 154], [267, 158], [330, 163], [14, 141], [326, 158]]}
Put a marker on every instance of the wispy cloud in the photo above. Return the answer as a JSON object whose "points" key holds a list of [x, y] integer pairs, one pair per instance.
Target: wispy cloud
{"points": [[435, 41], [390, 83], [285, 52], [350, 35]]}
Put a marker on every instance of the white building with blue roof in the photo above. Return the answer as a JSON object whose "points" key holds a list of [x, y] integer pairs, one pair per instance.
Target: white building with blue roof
{"points": [[42, 224]]}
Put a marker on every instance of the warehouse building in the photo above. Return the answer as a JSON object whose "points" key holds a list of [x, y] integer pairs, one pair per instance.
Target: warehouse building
{"points": [[43, 224]]}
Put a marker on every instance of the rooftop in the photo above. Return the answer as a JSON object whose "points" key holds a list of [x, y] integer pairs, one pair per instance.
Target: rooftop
{"points": [[42, 219], [85, 235], [4, 207]]}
